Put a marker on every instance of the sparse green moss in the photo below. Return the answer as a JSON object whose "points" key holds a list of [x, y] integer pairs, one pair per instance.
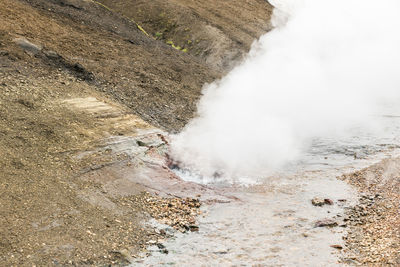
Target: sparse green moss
{"points": [[158, 35], [177, 47]]}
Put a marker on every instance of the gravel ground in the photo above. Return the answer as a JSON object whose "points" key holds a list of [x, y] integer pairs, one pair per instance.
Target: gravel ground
{"points": [[374, 224], [79, 50], [60, 54]]}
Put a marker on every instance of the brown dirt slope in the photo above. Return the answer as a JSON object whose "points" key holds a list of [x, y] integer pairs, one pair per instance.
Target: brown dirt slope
{"points": [[44, 218], [218, 32], [156, 81], [72, 74]]}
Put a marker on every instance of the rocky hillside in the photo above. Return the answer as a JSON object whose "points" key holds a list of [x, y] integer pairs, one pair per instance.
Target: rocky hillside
{"points": [[81, 83], [218, 32]]}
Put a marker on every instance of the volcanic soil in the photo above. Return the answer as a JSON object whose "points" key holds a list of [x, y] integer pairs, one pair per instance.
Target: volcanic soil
{"points": [[88, 92]]}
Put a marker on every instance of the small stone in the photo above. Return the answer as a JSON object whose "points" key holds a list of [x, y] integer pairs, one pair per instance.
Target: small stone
{"points": [[126, 255], [328, 201], [160, 246], [193, 228], [164, 251], [29, 47], [318, 201], [326, 223], [51, 54], [337, 246], [141, 143]]}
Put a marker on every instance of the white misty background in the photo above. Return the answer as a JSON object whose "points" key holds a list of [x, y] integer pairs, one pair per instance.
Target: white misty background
{"points": [[326, 67]]}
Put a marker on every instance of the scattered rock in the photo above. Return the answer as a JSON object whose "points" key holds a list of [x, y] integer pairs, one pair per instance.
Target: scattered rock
{"points": [[162, 248], [179, 213], [70, 4], [141, 143], [350, 261], [26, 103], [372, 239], [152, 242], [80, 71], [326, 223], [221, 252], [51, 54], [134, 42], [122, 255], [164, 251], [193, 228], [30, 48], [4, 53], [316, 201]]}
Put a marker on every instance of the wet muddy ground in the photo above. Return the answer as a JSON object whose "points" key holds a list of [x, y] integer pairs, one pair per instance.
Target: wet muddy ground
{"points": [[269, 225], [279, 222]]}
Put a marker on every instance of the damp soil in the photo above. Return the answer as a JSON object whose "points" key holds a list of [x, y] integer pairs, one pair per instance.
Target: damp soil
{"points": [[271, 224], [311, 215]]}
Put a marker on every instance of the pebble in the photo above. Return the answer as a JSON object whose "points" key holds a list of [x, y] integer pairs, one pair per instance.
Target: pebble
{"points": [[29, 47], [326, 223], [316, 201]]}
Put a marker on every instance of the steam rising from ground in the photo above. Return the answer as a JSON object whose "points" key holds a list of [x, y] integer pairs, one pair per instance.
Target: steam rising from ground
{"points": [[327, 66]]}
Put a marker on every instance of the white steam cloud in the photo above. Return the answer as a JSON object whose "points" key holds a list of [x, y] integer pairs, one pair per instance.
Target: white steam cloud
{"points": [[326, 66]]}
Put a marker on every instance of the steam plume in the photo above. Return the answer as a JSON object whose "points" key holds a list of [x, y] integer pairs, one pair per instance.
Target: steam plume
{"points": [[325, 67]]}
